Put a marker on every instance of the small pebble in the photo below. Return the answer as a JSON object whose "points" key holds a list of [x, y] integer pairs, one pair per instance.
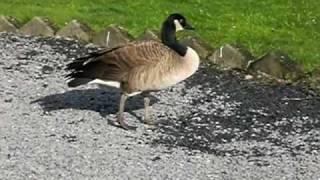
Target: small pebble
{"points": [[47, 69], [8, 100]]}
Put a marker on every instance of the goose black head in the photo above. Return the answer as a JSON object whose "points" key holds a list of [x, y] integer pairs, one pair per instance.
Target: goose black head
{"points": [[179, 22], [174, 22]]}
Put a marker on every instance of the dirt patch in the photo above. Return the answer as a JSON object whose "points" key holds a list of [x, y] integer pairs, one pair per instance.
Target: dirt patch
{"points": [[270, 116]]}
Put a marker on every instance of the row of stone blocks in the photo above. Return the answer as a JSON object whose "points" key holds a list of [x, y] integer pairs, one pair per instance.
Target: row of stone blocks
{"points": [[230, 56]]}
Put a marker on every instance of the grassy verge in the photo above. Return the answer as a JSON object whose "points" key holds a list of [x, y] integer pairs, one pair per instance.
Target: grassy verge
{"points": [[290, 25]]}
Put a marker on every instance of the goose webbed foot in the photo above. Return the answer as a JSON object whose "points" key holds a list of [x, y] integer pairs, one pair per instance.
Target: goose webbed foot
{"points": [[120, 118], [148, 119], [123, 124]]}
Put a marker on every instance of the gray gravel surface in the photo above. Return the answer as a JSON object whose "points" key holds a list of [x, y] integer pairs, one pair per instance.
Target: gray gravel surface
{"points": [[215, 125]]}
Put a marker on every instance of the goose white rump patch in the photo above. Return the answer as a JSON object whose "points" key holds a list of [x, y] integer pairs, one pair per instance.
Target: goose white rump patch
{"points": [[115, 84], [134, 93]]}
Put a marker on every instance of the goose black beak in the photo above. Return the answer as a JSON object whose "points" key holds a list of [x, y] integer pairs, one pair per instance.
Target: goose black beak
{"points": [[188, 27]]}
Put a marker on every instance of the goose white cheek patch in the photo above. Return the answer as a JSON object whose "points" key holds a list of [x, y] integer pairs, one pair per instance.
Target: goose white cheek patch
{"points": [[178, 25]]}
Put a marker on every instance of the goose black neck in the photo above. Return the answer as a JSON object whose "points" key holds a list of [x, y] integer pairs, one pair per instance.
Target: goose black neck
{"points": [[168, 37]]}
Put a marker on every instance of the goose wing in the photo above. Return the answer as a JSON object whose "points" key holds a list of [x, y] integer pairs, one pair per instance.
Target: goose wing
{"points": [[139, 54], [117, 63]]}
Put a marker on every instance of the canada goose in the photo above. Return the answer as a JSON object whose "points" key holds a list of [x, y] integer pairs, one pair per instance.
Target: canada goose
{"points": [[140, 66]]}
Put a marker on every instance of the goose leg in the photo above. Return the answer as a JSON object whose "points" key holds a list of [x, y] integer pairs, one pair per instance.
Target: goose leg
{"points": [[147, 112], [120, 114]]}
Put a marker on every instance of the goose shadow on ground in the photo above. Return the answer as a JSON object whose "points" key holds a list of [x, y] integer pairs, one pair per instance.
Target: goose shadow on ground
{"points": [[103, 101]]}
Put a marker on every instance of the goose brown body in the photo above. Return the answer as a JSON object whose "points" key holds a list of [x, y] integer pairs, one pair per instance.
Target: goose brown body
{"points": [[137, 66]]}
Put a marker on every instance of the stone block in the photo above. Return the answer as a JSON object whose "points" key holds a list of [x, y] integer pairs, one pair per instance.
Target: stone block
{"points": [[38, 26], [231, 56], [149, 34], [8, 24], [277, 64], [76, 30], [112, 36], [203, 49]]}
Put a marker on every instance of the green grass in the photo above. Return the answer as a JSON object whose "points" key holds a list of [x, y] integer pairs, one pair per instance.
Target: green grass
{"points": [[290, 25]]}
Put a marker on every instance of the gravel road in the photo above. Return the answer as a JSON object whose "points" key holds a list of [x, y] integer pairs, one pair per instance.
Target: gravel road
{"points": [[215, 125]]}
